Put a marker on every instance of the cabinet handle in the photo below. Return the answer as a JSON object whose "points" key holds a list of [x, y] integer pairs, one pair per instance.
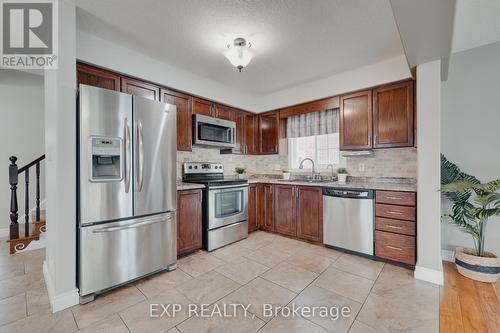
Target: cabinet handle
{"points": [[394, 227], [394, 213], [393, 198], [395, 248]]}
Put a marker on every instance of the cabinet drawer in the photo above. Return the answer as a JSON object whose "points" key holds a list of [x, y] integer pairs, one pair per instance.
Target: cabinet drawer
{"points": [[395, 212], [395, 247], [395, 198], [396, 226]]}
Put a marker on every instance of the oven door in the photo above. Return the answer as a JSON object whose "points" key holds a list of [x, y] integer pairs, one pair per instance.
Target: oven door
{"points": [[226, 205]]}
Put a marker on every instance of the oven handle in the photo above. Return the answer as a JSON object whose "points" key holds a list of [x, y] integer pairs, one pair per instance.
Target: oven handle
{"points": [[227, 186]]}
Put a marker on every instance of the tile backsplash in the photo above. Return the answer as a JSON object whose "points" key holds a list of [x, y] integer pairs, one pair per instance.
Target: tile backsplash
{"points": [[395, 162]]}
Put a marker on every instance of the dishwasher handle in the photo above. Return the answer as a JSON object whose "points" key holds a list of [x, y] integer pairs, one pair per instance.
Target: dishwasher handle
{"points": [[348, 193]]}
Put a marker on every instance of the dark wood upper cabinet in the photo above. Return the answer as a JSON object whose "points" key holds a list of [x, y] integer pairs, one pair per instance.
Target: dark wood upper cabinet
{"points": [[184, 128], [202, 106], [284, 209], [93, 76], [251, 131], [140, 88], [252, 207], [268, 133], [393, 115], [189, 218], [310, 213], [356, 121], [224, 112]]}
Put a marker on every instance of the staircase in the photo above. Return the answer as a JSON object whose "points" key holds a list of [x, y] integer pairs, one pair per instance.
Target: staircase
{"points": [[30, 231]]}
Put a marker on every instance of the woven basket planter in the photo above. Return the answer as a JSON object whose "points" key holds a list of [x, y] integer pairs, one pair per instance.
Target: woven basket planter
{"points": [[484, 269]]}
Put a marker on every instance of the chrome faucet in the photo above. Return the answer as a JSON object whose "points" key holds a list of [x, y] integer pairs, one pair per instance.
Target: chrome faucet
{"points": [[333, 170], [301, 166]]}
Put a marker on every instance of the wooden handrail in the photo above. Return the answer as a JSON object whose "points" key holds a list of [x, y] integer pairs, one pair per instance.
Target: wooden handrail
{"points": [[29, 165], [14, 172]]}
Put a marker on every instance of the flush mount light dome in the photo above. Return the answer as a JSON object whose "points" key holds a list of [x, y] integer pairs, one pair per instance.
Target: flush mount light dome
{"points": [[239, 54]]}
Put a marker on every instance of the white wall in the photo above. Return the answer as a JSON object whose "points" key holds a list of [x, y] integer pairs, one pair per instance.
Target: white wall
{"points": [[470, 131], [60, 130], [429, 265], [22, 132]]}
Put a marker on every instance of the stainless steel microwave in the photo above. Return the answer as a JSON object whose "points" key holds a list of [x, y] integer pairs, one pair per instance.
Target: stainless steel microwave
{"points": [[213, 132]]}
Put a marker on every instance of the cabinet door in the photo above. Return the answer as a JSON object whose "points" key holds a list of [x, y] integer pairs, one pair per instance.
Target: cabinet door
{"points": [[252, 207], [97, 77], [265, 206], [268, 133], [224, 112], [284, 209], [356, 121], [189, 236], [310, 213], [203, 107], [239, 119], [393, 115], [251, 128], [140, 88], [184, 128]]}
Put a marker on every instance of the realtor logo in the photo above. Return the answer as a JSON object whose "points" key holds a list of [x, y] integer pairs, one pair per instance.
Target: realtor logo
{"points": [[28, 38]]}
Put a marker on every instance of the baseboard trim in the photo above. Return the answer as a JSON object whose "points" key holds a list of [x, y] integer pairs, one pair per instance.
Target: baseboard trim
{"points": [[61, 301], [448, 255], [429, 275], [4, 232]]}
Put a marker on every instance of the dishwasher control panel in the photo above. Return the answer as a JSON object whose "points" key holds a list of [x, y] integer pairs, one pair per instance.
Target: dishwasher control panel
{"points": [[348, 193]]}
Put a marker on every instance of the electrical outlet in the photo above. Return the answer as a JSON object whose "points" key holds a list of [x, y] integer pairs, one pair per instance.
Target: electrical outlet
{"points": [[277, 167], [361, 167]]}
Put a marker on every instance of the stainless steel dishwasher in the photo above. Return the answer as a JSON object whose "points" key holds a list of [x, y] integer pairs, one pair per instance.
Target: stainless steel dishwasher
{"points": [[348, 218]]}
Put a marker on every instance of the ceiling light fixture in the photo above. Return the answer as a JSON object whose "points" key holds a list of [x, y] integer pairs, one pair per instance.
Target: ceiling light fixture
{"points": [[239, 54]]}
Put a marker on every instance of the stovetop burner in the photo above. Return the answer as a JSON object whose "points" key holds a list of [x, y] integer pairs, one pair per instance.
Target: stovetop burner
{"points": [[209, 174]]}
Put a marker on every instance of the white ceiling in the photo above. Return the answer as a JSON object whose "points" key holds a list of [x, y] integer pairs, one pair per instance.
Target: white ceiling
{"points": [[295, 41], [477, 22]]}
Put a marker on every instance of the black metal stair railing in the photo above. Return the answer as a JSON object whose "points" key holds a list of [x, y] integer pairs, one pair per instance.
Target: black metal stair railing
{"points": [[14, 173]]}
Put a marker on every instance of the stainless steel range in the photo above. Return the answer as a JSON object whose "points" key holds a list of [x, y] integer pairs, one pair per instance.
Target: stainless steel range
{"points": [[225, 204]]}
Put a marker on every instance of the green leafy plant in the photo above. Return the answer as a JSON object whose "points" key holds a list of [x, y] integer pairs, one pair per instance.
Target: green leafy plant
{"points": [[341, 171], [473, 203], [240, 170]]}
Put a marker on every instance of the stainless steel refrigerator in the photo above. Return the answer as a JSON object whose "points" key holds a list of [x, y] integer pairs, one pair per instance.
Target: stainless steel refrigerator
{"points": [[126, 189]]}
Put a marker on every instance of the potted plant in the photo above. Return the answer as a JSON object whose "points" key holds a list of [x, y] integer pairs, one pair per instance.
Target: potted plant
{"points": [[286, 173], [240, 172], [342, 175], [473, 204]]}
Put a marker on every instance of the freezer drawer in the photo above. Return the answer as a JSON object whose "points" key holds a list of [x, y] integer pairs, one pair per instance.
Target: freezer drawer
{"points": [[226, 235], [114, 253]]}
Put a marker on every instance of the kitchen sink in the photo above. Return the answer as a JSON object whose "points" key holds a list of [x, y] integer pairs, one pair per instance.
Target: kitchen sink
{"points": [[306, 180]]}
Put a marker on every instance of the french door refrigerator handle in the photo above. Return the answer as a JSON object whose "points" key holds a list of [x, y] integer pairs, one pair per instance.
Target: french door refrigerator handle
{"points": [[140, 164], [128, 153], [132, 225]]}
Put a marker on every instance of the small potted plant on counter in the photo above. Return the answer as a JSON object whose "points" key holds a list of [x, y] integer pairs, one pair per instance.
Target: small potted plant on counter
{"points": [[240, 172], [286, 173], [473, 204], [342, 175]]}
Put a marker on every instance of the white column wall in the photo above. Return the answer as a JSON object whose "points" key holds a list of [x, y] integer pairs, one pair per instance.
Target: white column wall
{"points": [[60, 148], [429, 265]]}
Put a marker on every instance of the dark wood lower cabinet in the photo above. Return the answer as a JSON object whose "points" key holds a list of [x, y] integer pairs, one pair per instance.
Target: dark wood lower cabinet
{"points": [[265, 207], [310, 213], [395, 247], [252, 207], [284, 210], [189, 217]]}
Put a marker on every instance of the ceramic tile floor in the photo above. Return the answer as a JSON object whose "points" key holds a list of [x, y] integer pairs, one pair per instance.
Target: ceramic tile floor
{"points": [[263, 269]]}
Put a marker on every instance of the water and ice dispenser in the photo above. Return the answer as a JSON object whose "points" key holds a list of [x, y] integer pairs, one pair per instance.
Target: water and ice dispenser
{"points": [[107, 159]]}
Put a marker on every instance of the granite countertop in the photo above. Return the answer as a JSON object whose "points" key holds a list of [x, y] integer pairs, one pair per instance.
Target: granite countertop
{"points": [[390, 184], [188, 186]]}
